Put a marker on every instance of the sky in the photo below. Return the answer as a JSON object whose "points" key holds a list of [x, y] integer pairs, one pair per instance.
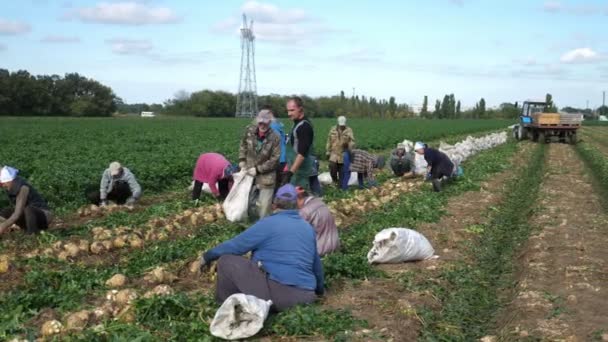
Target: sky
{"points": [[148, 50]]}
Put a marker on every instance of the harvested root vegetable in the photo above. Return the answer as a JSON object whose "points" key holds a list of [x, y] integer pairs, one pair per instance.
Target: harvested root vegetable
{"points": [[150, 235], [126, 296], [107, 244], [169, 228], [119, 242], [188, 213], [94, 209], [159, 275], [385, 199], [117, 280], [126, 315], [48, 252], [136, 241], [57, 245], [103, 235], [160, 290], [78, 320], [32, 254], [83, 245], [195, 266], [103, 312], [50, 328], [208, 218], [72, 249], [97, 247], [111, 295], [194, 220], [63, 255], [4, 264], [162, 236]]}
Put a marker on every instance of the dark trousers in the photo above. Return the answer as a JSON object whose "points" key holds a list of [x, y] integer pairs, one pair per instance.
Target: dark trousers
{"points": [[335, 170], [315, 186], [236, 274], [119, 194], [33, 220], [361, 179], [400, 169], [437, 173], [280, 175], [223, 185]]}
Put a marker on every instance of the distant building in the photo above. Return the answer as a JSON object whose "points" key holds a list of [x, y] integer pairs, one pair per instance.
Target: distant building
{"points": [[148, 114]]}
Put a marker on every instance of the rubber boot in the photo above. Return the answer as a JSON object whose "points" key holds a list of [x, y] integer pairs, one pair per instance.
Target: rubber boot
{"points": [[437, 185]]}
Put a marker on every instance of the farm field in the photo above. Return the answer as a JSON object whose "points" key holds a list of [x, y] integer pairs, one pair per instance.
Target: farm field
{"points": [[520, 250]]}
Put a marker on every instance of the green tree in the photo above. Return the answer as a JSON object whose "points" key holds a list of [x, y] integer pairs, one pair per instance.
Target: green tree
{"points": [[437, 112], [550, 106], [458, 110], [425, 107]]}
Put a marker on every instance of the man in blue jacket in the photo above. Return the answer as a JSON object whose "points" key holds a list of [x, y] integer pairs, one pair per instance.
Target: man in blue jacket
{"points": [[284, 267]]}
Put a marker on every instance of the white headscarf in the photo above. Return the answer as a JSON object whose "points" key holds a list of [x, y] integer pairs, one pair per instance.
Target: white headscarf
{"points": [[418, 145], [8, 174]]}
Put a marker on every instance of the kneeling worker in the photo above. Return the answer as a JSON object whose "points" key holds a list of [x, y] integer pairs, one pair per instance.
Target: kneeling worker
{"points": [[439, 165], [284, 267], [402, 163], [29, 210], [118, 184], [212, 168], [316, 212], [364, 164]]}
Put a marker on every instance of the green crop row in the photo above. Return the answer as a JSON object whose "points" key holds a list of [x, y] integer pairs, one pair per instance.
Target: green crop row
{"points": [[598, 163]]}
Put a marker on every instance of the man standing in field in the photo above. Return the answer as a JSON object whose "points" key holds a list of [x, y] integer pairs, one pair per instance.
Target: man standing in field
{"points": [[259, 155], [118, 184], [402, 162], [340, 140], [212, 168], [439, 165], [284, 266], [364, 164], [29, 210], [299, 153]]}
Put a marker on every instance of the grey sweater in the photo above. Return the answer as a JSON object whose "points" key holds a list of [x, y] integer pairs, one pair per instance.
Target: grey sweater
{"points": [[107, 183]]}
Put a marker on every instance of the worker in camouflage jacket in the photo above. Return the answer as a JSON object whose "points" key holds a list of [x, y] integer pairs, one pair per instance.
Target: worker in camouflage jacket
{"points": [[259, 156], [341, 139]]}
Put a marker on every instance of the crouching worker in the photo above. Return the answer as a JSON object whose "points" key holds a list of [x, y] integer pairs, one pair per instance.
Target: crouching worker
{"points": [[439, 165], [284, 267], [29, 210], [365, 164], [212, 168], [402, 163], [315, 212], [118, 184]]}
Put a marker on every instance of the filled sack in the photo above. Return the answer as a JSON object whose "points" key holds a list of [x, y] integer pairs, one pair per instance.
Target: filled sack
{"points": [[395, 245], [237, 202], [240, 316]]}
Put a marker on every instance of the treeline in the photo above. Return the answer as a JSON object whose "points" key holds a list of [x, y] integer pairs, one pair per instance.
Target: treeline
{"points": [[209, 103], [23, 94]]}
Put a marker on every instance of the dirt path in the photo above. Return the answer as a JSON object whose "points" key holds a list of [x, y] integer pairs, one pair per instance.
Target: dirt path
{"points": [[390, 305], [562, 293]]}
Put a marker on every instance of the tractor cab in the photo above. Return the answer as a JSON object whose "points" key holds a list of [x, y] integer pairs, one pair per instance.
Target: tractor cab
{"points": [[528, 109]]}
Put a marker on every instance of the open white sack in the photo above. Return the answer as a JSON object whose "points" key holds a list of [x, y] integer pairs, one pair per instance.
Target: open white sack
{"points": [[395, 245], [240, 316], [236, 203]]}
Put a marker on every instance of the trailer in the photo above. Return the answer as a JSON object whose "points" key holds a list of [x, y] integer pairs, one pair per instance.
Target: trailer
{"points": [[542, 127]]}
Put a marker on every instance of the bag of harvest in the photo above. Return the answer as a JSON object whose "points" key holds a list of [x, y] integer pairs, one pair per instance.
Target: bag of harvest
{"points": [[240, 316], [236, 203], [395, 245]]}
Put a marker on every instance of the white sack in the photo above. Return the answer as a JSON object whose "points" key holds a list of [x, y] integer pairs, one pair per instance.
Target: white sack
{"points": [[409, 146], [236, 203], [240, 316], [420, 164], [395, 245]]}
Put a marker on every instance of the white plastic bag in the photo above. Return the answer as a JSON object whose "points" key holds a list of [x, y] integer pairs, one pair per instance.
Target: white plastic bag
{"points": [[409, 146], [325, 178], [394, 245], [420, 164], [236, 203], [240, 316]]}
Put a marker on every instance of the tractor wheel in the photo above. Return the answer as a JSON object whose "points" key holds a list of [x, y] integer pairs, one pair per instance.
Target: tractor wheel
{"points": [[515, 135], [535, 136], [521, 132], [573, 138]]}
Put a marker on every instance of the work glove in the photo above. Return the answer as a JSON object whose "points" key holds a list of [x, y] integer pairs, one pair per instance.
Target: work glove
{"points": [[252, 172], [428, 176], [130, 201], [103, 203], [286, 177], [242, 166], [203, 266]]}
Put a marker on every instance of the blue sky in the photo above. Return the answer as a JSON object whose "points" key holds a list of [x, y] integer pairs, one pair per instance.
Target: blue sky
{"points": [[148, 50]]}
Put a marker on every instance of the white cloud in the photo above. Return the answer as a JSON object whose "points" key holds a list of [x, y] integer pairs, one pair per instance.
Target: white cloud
{"points": [[8, 27], [275, 24], [124, 13], [552, 6], [58, 39], [581, 55], [130, 46]]}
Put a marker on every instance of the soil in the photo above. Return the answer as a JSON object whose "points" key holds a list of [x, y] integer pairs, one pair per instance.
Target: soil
{"points": [[562, 291], [389, 307]]}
